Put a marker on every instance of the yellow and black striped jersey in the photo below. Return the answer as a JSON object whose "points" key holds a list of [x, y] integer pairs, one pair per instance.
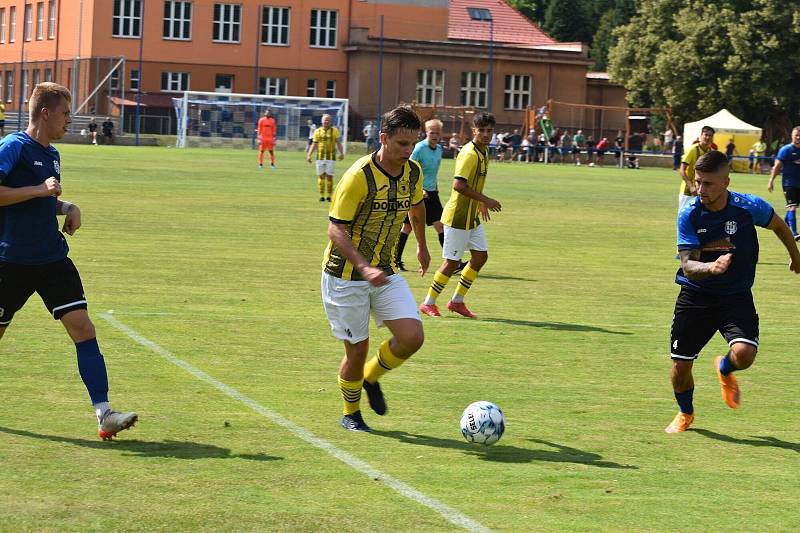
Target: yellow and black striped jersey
{"points": [[372, 205], [461, 211], [690, 158], [326, 143]]}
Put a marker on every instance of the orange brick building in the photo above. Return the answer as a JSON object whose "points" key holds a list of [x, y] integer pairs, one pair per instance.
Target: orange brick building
{"points": [[113, 52]]}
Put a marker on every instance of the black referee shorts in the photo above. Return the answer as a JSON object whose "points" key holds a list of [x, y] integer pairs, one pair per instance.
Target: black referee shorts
{"points": [[792, 195], [58, 284], [698, 316], [433, 208]]}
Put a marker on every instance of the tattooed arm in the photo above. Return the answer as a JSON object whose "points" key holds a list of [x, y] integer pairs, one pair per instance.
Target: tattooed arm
{"points": [[694, 269]]}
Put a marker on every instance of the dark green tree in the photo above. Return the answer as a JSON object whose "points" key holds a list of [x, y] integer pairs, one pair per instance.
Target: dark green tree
{"points": [[610, 14], [533, 9], [570, 20]]}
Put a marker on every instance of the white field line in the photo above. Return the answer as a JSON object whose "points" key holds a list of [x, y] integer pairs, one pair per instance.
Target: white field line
{"points": [[448, 513]]}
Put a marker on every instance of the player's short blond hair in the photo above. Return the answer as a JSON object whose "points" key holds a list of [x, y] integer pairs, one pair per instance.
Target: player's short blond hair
{"points": [[47, 95], [433, 122]]}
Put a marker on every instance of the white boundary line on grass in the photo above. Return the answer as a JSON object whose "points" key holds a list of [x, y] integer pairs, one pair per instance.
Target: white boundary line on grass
{"points": [[448, 513]]}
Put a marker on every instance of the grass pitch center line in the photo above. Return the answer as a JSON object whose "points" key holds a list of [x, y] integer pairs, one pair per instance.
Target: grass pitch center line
{"points": [[448, 513]]}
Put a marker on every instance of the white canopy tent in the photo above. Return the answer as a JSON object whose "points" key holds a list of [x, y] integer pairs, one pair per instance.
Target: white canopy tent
{"points": [[727, 127]]}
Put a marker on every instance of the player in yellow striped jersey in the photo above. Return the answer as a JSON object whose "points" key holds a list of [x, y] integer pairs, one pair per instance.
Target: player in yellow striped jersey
{"points": [[461, 219], [325, 142], [359, 271]]}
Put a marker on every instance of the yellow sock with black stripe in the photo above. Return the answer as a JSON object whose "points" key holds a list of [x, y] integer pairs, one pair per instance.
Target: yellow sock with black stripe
{"points": [[437, 286], [330, 186], [383, 361], [351, 393], [321, 185], [468, 276]]}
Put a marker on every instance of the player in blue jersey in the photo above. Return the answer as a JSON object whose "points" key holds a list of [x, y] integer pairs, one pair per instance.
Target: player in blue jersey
{"points": [[718, 246], [787, 162], [428, 153], [33, 252]]}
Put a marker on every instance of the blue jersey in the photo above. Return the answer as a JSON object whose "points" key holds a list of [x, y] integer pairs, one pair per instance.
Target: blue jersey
{"points": [[715, 233], [29, 230], [789, 155], [429, 159]]}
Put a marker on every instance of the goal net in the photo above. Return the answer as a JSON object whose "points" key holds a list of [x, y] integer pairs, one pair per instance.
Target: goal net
{"points": [[212, 119]]}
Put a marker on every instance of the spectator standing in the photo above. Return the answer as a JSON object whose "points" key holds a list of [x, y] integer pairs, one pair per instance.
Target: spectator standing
{"points": [[370, 136], [677, 152], [108, 131], [759, 149], [454, 144], [730, 148], [668, 140]]}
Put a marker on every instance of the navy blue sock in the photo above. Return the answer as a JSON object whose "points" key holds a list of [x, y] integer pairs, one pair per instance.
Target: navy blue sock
{"points": [[92, 369], [726, 365], [685, 401], [791, 221]]}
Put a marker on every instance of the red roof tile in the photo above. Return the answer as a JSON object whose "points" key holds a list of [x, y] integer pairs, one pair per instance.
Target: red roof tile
{"points": [[510, 26]]}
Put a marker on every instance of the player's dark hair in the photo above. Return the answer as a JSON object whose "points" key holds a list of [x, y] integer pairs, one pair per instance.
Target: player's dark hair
{"points": [[711, 161], [400, 118], [49, 95], [707, 128], [481, 120]]}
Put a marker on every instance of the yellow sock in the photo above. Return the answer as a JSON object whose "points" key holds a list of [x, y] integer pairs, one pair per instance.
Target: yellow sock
{"points": [[351, 393], [321, 185], [437, 286], [330, 186], [468, 276], [383, 361]]}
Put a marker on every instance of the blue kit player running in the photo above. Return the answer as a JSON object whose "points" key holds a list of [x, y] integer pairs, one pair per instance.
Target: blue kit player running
{"points": [[33, 253], [718, 246], [787, 162]]}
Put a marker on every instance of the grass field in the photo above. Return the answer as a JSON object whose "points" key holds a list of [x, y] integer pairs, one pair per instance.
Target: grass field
{"points": [[218, 263]]}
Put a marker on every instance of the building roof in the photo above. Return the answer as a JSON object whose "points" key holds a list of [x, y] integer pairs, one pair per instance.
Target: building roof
{"points": [[510, 26]]}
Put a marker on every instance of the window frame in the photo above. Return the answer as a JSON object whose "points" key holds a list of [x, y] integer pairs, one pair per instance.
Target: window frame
{"points": [[219, 25], [515, 96], [27, 25], [174, 81], [429, 83], [471, 91], [135, 79], [179, 24], [132, 19], [3, 25], [12, 24], [311, 88], [51, 19], [40, 21], [268, 27], [267, 83], [327, 32]]}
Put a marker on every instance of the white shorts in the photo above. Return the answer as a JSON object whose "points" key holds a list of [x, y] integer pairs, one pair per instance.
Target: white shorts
{"points": [[458, 241], [348, 305], [325, 166]]}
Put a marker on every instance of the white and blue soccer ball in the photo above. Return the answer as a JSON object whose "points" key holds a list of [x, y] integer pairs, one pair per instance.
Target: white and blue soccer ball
{"points": [[482, 423]]}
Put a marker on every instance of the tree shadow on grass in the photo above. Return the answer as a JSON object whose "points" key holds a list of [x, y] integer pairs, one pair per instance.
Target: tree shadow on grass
{"points": [[559, 326], [754, 440], [509, 454], [137, 448]]}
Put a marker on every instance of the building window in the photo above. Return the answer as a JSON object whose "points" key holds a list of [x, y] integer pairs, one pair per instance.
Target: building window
{"points": [[48, 74], [272, 86], [518, 92], [227, 20], [40, 21], [175, 81], [224, 83], [9, 85], [311, 88], [28, 27], [24, 84], [473, 89], [134, 79], [323, 28], [37, 77], [127, 20], [12, 29], [51, 19], [430, 87], [113, 81], [2, 26], [177, 20], [330, 89], [275, 26]]}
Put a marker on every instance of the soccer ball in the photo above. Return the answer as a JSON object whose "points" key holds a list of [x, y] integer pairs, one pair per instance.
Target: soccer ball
{"points": [[482, 423]]}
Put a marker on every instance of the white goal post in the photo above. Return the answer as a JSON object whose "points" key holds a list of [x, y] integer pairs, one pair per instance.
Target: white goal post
{"points": [[219, 119]]}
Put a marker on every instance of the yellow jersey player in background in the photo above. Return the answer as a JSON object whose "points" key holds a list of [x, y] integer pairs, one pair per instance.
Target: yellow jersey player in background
{"points": [[325, 142], [359, 271], [462, 227]]}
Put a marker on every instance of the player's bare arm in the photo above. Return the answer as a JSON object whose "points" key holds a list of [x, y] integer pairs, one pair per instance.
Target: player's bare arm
{"points": [[341, 150], [310, 151], [338, 235], [15, 195], [685, 177], [783, 233], [694, 269], [775, 170], [461, 186], [416, 215], [72, 220], [483, 211]]}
